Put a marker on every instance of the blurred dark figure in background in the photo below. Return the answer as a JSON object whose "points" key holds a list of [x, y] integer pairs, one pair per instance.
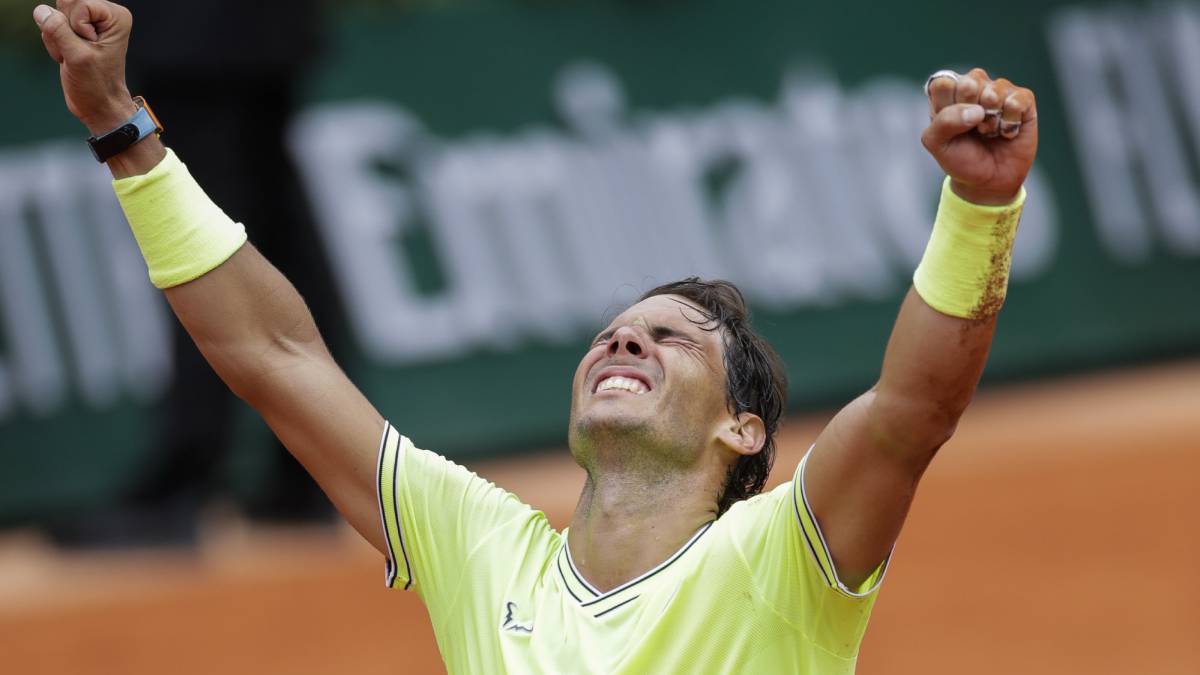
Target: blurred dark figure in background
{"points": [[229, 89]]}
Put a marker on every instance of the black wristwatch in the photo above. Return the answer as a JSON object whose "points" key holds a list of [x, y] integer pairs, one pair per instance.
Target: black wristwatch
{"points": [[142, 124]]}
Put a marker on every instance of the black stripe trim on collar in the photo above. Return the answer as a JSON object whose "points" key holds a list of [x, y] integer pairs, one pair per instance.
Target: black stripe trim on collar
{"points": [[630, 584], [619, 604], [566, 584], [576, 574]]}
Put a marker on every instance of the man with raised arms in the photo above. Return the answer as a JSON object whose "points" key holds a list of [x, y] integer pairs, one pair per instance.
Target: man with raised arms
{"points": [[673, 563]]}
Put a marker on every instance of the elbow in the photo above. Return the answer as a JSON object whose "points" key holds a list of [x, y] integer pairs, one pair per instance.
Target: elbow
{"points": [[240, 366], [255, 371]]}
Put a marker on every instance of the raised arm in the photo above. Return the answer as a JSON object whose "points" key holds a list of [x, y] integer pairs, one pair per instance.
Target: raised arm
{"points": [[246, 318], [863, 472]]}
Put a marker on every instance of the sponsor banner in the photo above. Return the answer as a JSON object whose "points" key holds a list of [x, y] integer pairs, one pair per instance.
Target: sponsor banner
{"points": [[493, 183]]}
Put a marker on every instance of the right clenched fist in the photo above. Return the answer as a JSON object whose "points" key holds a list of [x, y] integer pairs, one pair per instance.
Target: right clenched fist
{"points": [[88, 38]]}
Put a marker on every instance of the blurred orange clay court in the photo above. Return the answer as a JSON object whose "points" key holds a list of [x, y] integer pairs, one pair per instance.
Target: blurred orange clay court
{"points": [[1057, 533]]}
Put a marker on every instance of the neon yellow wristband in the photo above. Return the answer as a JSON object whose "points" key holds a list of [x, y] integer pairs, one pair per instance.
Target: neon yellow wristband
{"points": [[964, 272], [181, 232]]}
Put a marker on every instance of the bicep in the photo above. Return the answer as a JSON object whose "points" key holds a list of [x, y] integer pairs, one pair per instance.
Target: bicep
{"points": [[865, 466], [255, 331], [859, 492]]}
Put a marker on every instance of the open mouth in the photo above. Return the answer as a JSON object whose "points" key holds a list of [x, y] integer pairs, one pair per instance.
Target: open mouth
{"points": [[620, 383]]}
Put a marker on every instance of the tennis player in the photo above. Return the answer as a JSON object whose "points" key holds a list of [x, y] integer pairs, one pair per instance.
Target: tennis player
{"points": [[673, 562]]}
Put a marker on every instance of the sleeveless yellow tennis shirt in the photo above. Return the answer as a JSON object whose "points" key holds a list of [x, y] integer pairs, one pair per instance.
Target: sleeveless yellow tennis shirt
{"points": [[751, 592]]}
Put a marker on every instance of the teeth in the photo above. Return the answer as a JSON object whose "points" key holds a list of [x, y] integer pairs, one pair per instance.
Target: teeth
{"points": [[626, 383]]}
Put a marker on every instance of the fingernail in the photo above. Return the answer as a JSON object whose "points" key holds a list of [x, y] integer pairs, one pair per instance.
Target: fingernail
{"points": [[972, 114], [41, 13]]}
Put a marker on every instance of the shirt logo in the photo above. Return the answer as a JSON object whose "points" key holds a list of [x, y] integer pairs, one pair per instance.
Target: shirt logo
{"points": [[510, 623]]}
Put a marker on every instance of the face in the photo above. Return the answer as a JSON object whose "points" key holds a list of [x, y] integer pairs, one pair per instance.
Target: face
{"points": [[653, 381]]}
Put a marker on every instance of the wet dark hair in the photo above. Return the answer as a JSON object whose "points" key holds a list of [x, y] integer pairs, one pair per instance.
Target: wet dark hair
{"points": [[756, 381]]}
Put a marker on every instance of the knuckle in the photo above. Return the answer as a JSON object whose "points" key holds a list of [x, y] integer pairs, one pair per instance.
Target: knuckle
{"points": [[967, 91], [941, 85], [1017, 99], [53, 23]]}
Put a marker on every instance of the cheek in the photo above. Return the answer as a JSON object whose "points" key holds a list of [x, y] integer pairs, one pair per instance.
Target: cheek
{"points": [[585, 365], [698, 393]]}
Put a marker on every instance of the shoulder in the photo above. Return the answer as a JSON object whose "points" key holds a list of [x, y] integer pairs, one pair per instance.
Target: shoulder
{"points": [[776, 503], [763, 525]]}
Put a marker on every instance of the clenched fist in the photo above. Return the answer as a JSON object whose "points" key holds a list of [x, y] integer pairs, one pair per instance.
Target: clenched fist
{"points": [[88, 38], [982, 132]]}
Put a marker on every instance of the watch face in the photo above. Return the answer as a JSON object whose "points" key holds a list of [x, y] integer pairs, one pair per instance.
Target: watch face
{"points": [[114, 141], [128, 133]]}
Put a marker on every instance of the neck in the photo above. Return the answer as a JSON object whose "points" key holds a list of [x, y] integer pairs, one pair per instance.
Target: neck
{"points": [[627, 521]]}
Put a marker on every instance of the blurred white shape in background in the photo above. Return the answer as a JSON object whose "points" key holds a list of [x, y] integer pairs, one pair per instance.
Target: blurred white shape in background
{"points": [[823, 196], [1116, 67], [78, 316]]}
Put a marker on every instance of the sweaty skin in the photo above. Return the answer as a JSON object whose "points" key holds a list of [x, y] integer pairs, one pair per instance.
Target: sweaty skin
{"points": [[662, 453], [655, 461]]}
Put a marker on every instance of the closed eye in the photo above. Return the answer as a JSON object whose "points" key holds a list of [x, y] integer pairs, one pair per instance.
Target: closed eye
{"points": [[664, 333], [659, 334]]}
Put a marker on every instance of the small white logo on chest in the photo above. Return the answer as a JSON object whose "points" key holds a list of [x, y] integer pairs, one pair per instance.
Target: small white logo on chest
{"points": [[512, 624]]}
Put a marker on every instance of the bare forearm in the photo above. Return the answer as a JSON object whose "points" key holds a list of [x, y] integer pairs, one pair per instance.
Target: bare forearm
{"points": [[940, 341], [255, 331], [246, 318], [866, 464], [930, 370], [243, 314]]}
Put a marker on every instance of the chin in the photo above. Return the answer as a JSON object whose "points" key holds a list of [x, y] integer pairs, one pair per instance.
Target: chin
{"points": [[611, 422], [595, 428]]}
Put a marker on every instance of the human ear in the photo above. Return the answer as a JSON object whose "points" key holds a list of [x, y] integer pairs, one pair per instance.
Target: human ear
{"points": [[745, 434]]}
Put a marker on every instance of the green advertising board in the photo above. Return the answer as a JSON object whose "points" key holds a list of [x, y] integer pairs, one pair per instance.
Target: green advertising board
{"points": [[493, 181]]}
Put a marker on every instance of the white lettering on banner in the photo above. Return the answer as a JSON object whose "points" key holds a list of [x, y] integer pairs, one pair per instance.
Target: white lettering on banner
{"points": [[68, 262], [537, 233], [1130, 147], [818, 199], [1181, 24], [37, 366]]}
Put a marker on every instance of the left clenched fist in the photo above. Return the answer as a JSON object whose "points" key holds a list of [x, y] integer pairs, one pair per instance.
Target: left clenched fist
{"points": [[982, 132]]}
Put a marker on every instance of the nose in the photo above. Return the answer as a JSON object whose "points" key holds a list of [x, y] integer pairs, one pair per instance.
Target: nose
{"points": [[626, 340]]}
